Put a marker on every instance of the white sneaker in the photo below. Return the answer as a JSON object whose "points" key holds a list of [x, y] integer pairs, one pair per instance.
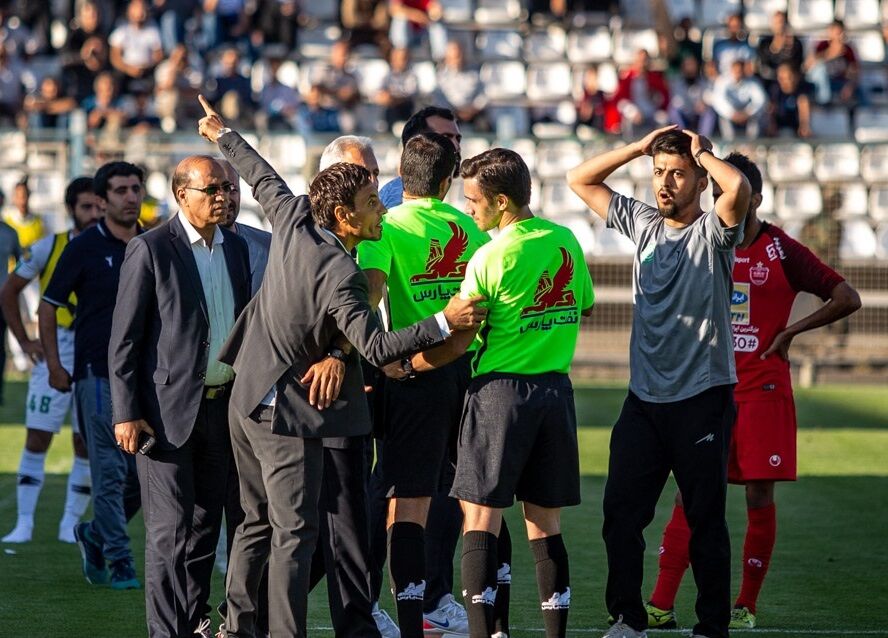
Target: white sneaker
{"points": [[500, 634], [21, 534], [449, 618], [621, 630], [384, 623]]}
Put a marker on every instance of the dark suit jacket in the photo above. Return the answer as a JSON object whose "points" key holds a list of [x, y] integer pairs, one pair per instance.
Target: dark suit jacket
{"points": [[159, 346], [312, 292]]}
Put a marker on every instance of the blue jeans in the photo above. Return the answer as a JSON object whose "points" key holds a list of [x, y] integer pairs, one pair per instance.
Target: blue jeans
{"points": [[115, 484]]}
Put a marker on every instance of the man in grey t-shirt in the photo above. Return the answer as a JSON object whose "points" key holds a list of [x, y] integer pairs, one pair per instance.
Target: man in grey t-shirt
{"points": [[678, 414]]}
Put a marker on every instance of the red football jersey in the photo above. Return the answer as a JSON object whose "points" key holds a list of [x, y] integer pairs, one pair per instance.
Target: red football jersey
{"points": [[767, 276]]}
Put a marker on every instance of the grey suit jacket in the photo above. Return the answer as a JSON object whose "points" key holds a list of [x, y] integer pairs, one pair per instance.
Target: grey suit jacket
{"points": [[157, 356], [259, 243], [312, 291]]}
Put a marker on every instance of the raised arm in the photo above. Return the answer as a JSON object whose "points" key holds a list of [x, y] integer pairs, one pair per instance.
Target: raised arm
{"points": [[731, 207], [269, 189], [587, 179]]}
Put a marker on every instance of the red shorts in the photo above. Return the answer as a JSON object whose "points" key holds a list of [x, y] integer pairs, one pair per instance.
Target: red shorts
{"points": [[763, 444]]}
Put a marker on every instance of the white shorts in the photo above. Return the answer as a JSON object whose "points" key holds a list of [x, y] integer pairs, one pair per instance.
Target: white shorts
{"points": [[45, 407]]}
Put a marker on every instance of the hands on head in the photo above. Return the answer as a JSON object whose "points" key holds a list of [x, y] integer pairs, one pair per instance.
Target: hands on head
{"points": [[210, 126]]}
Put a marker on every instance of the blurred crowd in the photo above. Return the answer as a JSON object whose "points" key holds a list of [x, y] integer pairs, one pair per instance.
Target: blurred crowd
{"points": [[139, 65]]}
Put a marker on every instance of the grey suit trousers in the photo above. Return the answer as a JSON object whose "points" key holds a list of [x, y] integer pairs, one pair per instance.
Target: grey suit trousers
{"points": [[280, 483]]}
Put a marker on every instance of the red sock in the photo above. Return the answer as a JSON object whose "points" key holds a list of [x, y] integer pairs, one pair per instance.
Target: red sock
{"points": [[760, 537], [674, 559]]}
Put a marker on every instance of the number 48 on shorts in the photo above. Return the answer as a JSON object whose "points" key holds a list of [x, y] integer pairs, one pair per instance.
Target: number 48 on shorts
{"points": [[39, 403]]}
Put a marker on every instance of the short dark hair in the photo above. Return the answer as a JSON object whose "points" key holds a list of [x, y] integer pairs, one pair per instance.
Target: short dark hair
{"points": [[499, 171], [428, 159], [746, 166], [676, 143], [335, 186], [114, 169], [418, 122], [77, 186], [23, 183]]}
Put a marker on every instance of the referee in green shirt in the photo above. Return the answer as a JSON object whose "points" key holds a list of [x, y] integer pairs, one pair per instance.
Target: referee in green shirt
{"points": [[518, 434]]}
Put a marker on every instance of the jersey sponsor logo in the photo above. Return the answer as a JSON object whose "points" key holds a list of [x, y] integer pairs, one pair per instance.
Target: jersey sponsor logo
{"points": [[551, 291], [412, 591], [709, 438], [557, 601], [775, 250], [647, 254], [740, 304], [745, 343], [758, 274], [487, 597], [775, 460], [444, 263]]}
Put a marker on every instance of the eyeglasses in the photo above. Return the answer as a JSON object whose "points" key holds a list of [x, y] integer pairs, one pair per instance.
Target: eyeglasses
{"points": [[212, 191]]}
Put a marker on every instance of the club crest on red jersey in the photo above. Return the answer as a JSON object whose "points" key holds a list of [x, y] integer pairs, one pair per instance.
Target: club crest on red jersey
{"points": [[758, 274], [444, 263], [551, 290]]}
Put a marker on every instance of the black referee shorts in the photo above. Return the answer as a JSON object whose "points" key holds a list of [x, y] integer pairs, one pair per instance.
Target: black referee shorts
{"points": [[518, 439], [421, 421]]}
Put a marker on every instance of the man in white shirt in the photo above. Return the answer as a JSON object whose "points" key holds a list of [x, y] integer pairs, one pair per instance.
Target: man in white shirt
{"points": [[135, 46], [739, 100]]}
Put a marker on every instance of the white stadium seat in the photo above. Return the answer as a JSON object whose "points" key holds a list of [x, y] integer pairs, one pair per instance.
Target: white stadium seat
{"points": [[15, 149], [426, 76], [641, 169], [545, 45], [504, 80], [853, 200], [581, 227], [496, 44], [766, 208], [858, 14], [457, 10], [805, 15], [757, 13], [830, 122], [869, 46], [837, 162], [858, 241], [871, 125], [509, 121], [798, 201], [555, 158], [714, 12], [498, 11], [610, 243], [626, 43], [548, 82], [874, 163], [622, 186], [790, 162], [878, 208], [558, 200], [882, 241], [525, 147], [371, 74], [584, 47], [287, 153]]}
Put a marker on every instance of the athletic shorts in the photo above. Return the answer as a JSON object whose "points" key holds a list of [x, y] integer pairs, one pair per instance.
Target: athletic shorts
{"points": [[45, 407], [763, 445], [518, 440], [421, 422]]}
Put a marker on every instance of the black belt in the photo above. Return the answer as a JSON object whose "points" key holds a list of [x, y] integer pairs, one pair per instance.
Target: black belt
{"points": [[212, 392]]}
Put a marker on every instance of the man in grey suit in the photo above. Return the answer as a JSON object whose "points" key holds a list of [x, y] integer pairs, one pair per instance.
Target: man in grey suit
{"points": [[181, 288], [258, 240], [313, 294]]}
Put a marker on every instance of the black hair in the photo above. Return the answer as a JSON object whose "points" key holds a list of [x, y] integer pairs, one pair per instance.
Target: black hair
{"points": [[676, 143], [335, 186], [77, 186], [428, 159], [499, 171], [746, 166], [114, 169], [418, 122]]}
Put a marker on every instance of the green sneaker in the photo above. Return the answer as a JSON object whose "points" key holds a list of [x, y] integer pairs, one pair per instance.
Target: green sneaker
{"points": [[741, 618], [660, 618]]}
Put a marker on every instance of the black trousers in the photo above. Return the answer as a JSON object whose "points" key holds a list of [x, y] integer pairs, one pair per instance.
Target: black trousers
{"points": [[691, 439], [343, 550], [182, 505], [280, 483]]}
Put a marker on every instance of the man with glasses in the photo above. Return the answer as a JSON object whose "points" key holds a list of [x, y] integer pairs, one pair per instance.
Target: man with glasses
{"points": [[181, 288]]}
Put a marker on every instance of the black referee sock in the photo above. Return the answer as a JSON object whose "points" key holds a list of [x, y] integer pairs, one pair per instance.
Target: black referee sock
{"points": [[553, 582], [406, 559], [503, 580], [478, 568]]}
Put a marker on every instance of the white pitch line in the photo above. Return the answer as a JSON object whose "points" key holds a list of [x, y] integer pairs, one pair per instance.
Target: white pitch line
{"points": [[687, 632]]}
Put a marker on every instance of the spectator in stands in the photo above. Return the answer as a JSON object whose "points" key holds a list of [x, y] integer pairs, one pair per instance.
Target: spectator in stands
{"points": [[274, 22], [11, 89], [278, 103], [681, 42], [734, 46], [136, 47], [833, 68], [398, 88], [177, 83], [85, 53], [414, 21], [230, 90], [739, 100], [790, 106], [592, 102], [314, 117], [14, 35], [779, 47], [104, 107], [460, 88], [141, 113], [47, 107], [223, 21], [28, 226], [35, 15], [542, 10], [366, 22], [642, 97], [336, 81], [171, 17], [689, 105]]}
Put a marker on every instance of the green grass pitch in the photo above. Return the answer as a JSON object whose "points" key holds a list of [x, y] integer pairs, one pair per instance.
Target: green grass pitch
{"points": [[828, 574]]}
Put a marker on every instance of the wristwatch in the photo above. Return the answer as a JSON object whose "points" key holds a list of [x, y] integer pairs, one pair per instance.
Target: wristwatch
{"points": [[338, 354], [699, 153], [407, 366]]}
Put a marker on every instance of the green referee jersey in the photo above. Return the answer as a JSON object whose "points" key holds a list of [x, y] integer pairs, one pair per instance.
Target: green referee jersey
{"points": [[424, 250], [535, 278]]}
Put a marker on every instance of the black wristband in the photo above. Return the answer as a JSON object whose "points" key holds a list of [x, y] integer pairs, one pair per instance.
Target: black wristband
{"points": [[699, 153], [338, 354]]}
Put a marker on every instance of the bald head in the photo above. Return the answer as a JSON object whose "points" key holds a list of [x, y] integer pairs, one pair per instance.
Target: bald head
{"points": [[190, 167], [351, 149], [203, 193]]}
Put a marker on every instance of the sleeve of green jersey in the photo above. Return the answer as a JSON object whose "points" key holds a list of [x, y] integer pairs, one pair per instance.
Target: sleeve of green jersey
{"points": [[474, 283], [375, 255]]}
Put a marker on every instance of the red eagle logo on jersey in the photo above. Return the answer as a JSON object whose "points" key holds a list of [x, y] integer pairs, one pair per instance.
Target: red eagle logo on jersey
{"points": [[444, 263], [550, 292]]}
